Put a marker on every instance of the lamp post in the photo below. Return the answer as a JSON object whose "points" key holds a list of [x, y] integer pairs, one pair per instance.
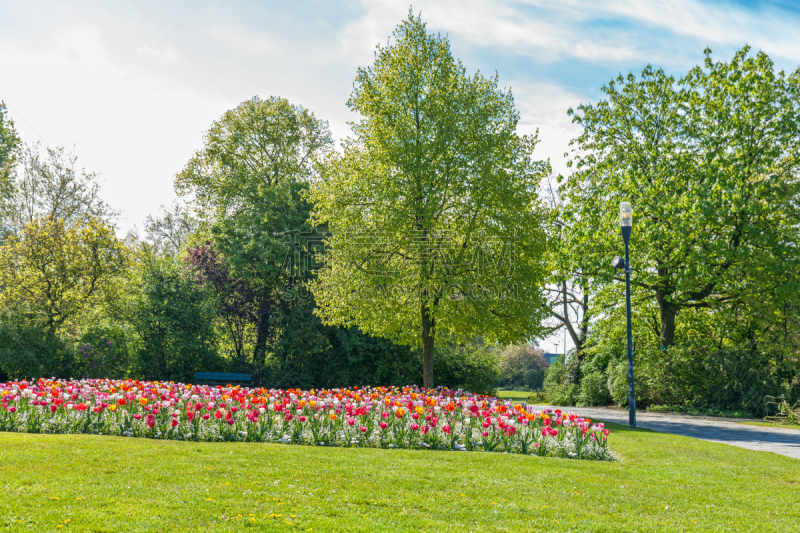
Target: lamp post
{"points": [[626, 226]]}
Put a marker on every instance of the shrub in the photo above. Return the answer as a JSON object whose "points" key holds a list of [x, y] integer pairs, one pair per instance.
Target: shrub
{"points": [[739, 379], [521, 368], [28, 350], [594, 390], [557, 387], [617, 383], [470, 366], [102, 352]]}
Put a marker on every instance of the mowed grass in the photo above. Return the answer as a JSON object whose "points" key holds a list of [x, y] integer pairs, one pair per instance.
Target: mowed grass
{"points": [[517, 395], [768, 424], [664, 483]]}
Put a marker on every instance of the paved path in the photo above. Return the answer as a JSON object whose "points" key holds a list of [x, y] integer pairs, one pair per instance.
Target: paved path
{"points": [[713, 429]]}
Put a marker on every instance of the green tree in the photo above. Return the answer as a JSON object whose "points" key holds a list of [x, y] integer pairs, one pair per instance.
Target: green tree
{"points": [[51, 186], [173, 318], [55, 272], [245, 187], [9, 144], [436, 224], [710, 164]]}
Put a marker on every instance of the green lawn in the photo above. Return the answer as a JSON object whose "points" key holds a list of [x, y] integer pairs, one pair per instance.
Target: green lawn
{"points": [[518, 395], [665, 483], [768, 424]]}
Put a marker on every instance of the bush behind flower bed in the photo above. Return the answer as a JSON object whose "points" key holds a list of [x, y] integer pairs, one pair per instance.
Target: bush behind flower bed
{"points": [[381, 417]]}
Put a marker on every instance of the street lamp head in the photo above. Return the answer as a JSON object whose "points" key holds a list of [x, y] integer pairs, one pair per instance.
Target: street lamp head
{"points": [[618, 263], [625, 215]]}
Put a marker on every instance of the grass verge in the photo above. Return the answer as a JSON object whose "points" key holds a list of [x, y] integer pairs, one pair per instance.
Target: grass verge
{"points": [[515, 395], [665, 483], [699, 411], [768, 424]]}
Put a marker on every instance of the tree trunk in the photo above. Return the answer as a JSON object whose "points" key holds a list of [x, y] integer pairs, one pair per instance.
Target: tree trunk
{"points": [[428, 334], [667, 312]]}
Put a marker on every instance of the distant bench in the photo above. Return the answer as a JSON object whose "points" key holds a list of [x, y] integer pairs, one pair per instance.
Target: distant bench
{"points": [[216, 378]]}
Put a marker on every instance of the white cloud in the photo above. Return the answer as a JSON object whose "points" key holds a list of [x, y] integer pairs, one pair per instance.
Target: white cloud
{"points": [[61, 61]]}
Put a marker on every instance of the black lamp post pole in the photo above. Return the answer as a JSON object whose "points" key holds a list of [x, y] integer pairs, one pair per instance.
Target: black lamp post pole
{"points": [[626, 236]]}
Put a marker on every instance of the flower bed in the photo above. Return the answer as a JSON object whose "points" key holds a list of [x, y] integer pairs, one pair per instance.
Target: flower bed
{"points": [[380, 417]]}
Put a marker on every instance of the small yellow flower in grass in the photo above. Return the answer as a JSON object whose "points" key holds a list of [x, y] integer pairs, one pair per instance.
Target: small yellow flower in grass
{"points": [[462, 494], [54, 498], [210, 499]]}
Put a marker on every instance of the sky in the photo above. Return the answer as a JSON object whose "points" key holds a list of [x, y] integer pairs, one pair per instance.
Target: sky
{"points": [[131, 85]]}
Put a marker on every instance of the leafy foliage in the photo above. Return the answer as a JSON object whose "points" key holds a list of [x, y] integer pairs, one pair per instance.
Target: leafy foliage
{"points": [[9, 144], [245, 186], [55, 271], [710, 164], [522, 367], [172, 317], [435, 181], [28, 350]]}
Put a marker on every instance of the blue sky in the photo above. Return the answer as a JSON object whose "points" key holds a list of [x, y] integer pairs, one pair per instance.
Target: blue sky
{"points": [[131, 85]]}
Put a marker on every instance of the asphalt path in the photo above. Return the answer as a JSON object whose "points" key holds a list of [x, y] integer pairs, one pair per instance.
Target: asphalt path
{"points": [[713, 429]]}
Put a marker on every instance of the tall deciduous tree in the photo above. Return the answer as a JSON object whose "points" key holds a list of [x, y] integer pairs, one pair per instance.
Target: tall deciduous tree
{"points": [[245, 186], [436, 225], [710, 164], [170, 230], [9, 144], [54, 271]]}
